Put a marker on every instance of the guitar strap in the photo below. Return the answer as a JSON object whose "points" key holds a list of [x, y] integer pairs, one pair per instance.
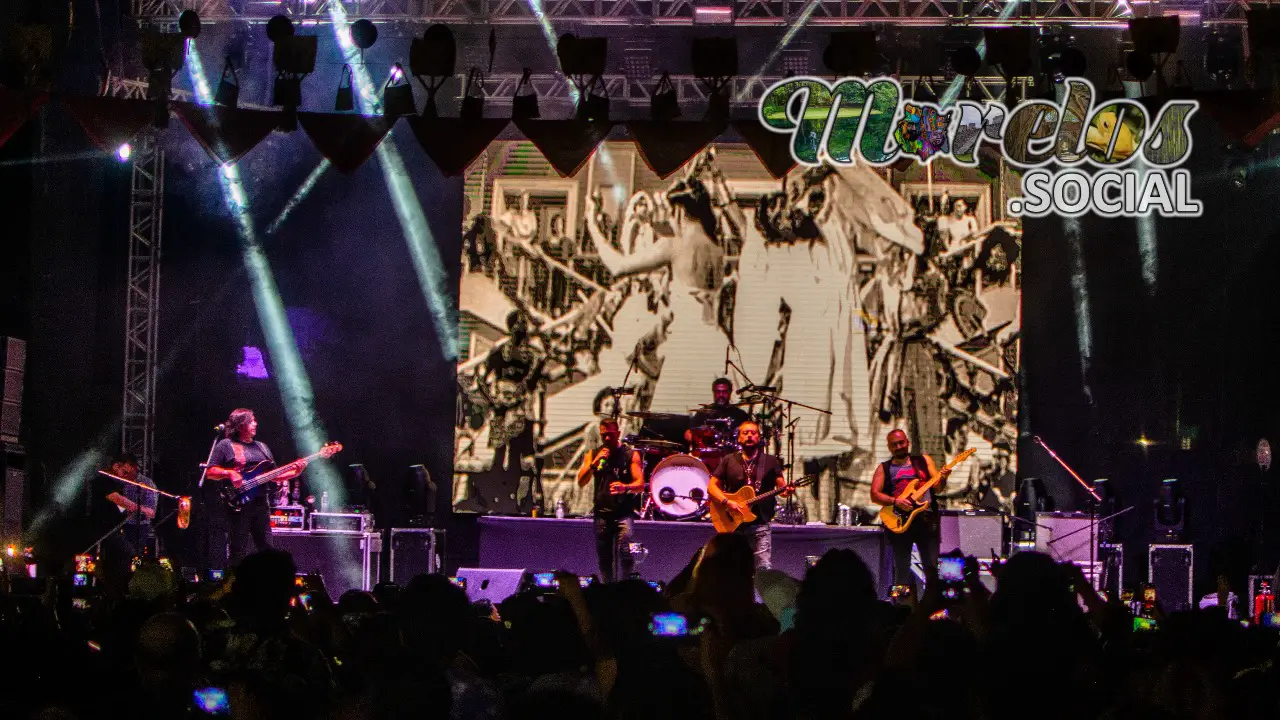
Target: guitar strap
{"points": [[922, 470]]}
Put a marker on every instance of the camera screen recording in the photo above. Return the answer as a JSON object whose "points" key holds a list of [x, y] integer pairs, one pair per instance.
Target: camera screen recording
{"points": [[951, 575], [669, 625], [459, 581], [545, 580], [80, 580], [212, 701], [1142, 624]]}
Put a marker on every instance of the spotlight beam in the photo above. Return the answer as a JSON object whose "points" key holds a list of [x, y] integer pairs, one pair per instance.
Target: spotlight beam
{"points": [[291, 377], [432, 277], [301, 194], [1080, 295]]}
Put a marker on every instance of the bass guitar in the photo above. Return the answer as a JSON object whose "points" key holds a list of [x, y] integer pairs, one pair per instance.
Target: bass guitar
{"points": [[258, 475], [727, 520], [896, 520]]}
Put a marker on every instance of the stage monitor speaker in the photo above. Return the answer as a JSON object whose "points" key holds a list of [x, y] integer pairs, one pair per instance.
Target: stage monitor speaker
{"points": [[1171, 568], [415, 551], [973, 533], [13, 354], [494, 585], [346, 561]]}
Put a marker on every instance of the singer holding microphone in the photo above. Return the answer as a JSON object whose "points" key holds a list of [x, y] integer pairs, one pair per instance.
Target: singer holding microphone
{"points": [[618, 474]]}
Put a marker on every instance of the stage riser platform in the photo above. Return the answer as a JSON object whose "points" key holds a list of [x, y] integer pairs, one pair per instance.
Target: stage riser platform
{"points": [[545, 544]]}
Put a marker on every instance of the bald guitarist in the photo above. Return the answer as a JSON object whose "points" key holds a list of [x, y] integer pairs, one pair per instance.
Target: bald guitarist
{"points": [[887, 485]]}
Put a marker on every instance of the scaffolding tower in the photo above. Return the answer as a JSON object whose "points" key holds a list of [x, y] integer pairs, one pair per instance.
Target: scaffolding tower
{"points": [[142, 302]]}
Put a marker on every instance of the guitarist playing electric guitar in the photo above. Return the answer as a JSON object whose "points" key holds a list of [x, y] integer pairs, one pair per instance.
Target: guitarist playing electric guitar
{"points": [[248, 529], [763, 472], [887, 485]]}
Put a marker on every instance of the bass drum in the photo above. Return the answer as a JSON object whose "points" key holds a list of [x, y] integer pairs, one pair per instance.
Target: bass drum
{"points": [[678, 487]]}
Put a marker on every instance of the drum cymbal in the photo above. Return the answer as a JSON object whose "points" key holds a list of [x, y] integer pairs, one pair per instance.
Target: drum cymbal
{"points": [[712, 408], [646, 415], [656, 445]]}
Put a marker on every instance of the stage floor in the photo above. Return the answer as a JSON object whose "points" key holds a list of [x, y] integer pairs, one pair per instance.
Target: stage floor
{"points": [[545, 544]]}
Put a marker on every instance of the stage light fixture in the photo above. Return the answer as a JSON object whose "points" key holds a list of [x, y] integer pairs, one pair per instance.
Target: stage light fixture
{"points": [[1140, 65], [364, 34], [473, 96], [1030, 500], [163, 55], [715, 63], [345, 100], [1222, 57], [664, 105], [228, 93], [28, 49], [421, 498], [189, 24], [294, 57], [966, 61], [851, 53], [1170, 512], [397, 96], [583, 61], [525, 107], [1155, 35], [431, 59], [125, 152]]}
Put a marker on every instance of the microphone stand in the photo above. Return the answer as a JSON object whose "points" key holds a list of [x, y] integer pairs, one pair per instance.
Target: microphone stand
{"points": [[1093, 502], [788, 409]]}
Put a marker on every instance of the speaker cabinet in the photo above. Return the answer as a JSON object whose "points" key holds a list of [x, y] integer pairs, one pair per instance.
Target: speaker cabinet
{"points": [[13, 355], [346, 561], [1065, 536], [1171, 568], [415, 551], [494, 585], [974, 533]]}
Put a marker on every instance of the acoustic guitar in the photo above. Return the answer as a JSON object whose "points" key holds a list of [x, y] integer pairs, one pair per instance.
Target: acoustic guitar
{"points": [[258, 475], [726, 520], [896, 520]]}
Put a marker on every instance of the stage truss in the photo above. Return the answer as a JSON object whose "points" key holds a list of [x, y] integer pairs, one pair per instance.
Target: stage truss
{"points": [[142, 302], [781, 13], [745, 91]]}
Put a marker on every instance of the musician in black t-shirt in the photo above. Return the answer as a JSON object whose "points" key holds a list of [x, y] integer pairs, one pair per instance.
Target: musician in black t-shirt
{"points": [[618, 474], [249, 528], [720, 409], [752, 465]]}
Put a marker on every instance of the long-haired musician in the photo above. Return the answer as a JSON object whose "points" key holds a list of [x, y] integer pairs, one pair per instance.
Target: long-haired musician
{"points": [[618, 474], [247, 529]]}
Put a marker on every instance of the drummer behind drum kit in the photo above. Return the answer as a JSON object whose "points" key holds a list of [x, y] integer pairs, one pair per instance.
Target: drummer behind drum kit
{"points": [[678, 480]]}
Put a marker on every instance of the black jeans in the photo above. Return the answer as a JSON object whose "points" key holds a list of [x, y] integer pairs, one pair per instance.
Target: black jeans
{"points": [[925, 534], [249, 529], [613, 539]]}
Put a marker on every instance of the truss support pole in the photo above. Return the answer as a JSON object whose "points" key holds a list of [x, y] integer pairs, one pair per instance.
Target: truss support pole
{"points": [[142, 302]]}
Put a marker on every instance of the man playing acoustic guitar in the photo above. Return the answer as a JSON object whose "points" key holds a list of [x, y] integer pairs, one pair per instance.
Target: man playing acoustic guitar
{"points": [[887, 484], [752, 466]]}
